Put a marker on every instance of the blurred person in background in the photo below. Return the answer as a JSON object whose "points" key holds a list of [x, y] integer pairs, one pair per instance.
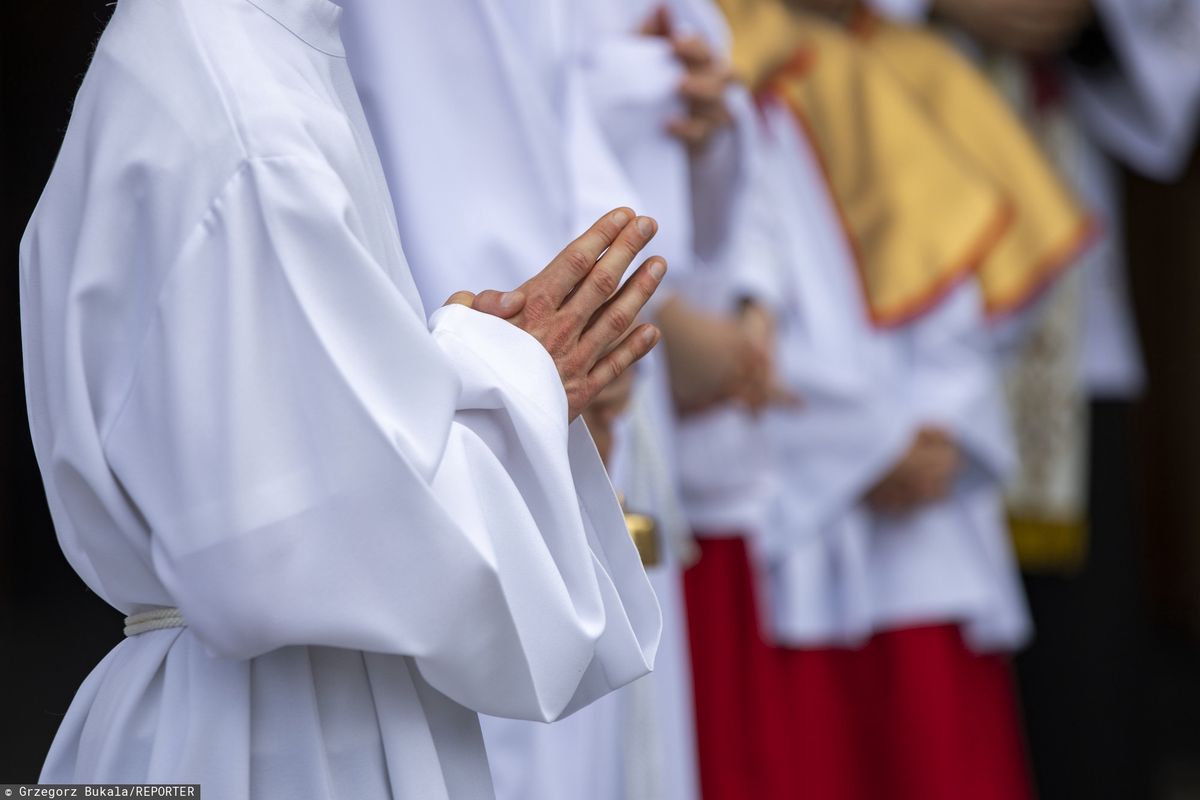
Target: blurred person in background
{"points": [[1100, 84], [898, 232], [713, 358]]}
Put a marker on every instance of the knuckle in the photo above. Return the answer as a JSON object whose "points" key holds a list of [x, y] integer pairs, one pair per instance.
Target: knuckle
{"points": [[573, 370], [604, 282], [630, 246], [558, 341], [619, 319], [646, 286], [613, 369], [593, 385], [578, 263], [539, 308]]}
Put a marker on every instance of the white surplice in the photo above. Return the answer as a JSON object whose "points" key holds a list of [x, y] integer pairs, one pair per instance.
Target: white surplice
{"points": [[837, 572], [373, 525]]}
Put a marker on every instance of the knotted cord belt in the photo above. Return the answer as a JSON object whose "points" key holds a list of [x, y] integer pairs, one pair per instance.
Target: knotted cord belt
{"points": [[154, 620]]}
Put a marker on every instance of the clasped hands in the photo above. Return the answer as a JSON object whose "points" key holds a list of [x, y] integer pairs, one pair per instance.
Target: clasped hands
{"points": [[579, 310], [718, 359], [924, 474]]}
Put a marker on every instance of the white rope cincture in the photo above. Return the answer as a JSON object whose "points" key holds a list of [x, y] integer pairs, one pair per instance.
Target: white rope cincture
{"points": [[154, 620]]}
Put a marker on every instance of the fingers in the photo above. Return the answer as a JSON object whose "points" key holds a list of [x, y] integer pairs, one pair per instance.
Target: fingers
{"points": [[703, 92], [704, 89], [658, 23], [500, 304], [890, 496], [575, 262], [618, 314], [460, 299], [780, 396], [772, 395], [605, 278], [612, 400], [609, 368], [693, 131], [693, 51]]}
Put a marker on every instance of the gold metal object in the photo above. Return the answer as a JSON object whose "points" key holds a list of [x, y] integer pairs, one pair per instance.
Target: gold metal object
{"points": [[643, 529]]}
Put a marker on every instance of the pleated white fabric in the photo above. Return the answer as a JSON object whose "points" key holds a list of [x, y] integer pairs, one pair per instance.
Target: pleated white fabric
{"points": [[374, 525]]}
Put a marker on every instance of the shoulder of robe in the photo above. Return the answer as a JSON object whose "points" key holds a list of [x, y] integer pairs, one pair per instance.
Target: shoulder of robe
{"points": [[207, 85], [169, 112]]}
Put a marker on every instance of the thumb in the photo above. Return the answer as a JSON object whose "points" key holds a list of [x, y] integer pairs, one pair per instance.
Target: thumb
{"points": [[461, 299], [500, 304]]}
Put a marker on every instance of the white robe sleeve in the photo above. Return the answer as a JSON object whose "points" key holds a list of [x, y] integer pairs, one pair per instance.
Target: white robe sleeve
{"points": [[851, 428], [313, 468], [953, 380]]}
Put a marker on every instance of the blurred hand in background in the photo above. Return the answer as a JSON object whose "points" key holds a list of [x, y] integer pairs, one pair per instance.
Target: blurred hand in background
{"points": [[923, 475], [702, 89], [1032, 27]]}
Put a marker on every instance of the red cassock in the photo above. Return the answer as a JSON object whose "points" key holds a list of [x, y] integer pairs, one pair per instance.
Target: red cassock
{"points": [[912, 715], [742, 729]]}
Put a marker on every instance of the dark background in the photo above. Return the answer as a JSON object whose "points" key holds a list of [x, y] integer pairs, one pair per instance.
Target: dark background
{"points": [[1111, 687], [53, 630]]}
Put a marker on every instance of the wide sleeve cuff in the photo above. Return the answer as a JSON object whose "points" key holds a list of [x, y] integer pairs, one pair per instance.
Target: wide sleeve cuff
{"points": [[625, 649], [633, 621], [506, 356]]}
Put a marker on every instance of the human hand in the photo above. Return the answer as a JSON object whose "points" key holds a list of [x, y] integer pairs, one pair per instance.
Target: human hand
{"points": [[763, 387], [923, 475], [606, 406], [580, 311], [702, 88], [709, 357]]}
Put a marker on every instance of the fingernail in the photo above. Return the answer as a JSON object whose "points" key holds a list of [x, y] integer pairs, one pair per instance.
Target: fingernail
{"points": [[657, 269], [509, 300], [650, 335], [646, 226], [621, 217]]}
